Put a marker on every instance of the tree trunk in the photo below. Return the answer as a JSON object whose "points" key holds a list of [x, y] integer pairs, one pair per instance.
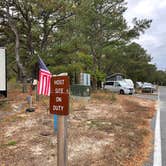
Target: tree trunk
{"points": [[94, 79], [17, 46]]}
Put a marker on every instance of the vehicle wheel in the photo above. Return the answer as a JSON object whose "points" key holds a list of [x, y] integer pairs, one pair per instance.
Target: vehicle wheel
{"points": [[122, 92]]}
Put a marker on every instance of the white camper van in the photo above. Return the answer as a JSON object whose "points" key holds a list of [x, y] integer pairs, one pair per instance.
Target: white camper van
{"points": [[121, 87], [130, 82]]}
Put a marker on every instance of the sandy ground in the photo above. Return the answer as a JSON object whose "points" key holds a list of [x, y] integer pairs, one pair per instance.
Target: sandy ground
{"points": [[107, 130]]}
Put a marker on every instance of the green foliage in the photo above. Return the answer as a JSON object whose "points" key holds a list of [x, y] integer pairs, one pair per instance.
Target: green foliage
{"points": [[159, 77], [100, 76], [131, 60], [76, 36], [11, 143]]}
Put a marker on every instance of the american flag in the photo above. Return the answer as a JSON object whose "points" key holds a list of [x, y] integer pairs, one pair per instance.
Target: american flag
{"points": [[44, 79]]}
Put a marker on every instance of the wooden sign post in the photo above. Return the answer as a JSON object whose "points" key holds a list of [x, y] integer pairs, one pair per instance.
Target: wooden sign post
{"points": [[59, 105]]}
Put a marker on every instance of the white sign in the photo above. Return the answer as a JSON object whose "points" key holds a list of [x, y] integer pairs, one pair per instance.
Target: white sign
{"points": [[2, 70]]}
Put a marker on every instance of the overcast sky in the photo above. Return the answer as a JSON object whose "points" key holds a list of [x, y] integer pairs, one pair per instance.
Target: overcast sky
{"points": [[154, 39]]}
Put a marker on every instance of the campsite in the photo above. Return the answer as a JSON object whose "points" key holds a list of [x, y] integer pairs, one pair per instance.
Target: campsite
{"points": [[82, 83]]}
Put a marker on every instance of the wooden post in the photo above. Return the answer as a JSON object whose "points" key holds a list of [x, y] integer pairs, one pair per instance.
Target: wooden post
{"points": [[59, 105], [36, 95], [30, 97], [62, 141], [30, 102]]}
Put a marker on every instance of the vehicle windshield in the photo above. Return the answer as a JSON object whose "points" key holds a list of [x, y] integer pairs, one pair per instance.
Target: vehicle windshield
{"points": [[123, 84], [147, 84]]}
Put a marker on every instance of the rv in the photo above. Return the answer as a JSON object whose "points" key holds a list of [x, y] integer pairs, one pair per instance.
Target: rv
{"points": [[120, 87]]}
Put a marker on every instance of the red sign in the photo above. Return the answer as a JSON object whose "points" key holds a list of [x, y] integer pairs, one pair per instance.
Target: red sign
{"points": [[59, 97]]}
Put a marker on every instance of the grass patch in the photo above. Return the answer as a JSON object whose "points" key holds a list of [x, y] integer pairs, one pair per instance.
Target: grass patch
{"points": [[10, 143], [4, 105], [104, 96], [103, 125], [113, 97]]}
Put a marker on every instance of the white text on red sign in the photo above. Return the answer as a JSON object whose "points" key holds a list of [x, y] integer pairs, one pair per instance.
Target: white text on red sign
{"points": [[59, 82], [59, 90], [58, 108], [58, 99]]}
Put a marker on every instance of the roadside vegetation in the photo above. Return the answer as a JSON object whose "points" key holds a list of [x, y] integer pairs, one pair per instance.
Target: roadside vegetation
{"points": [[108, 129]]}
